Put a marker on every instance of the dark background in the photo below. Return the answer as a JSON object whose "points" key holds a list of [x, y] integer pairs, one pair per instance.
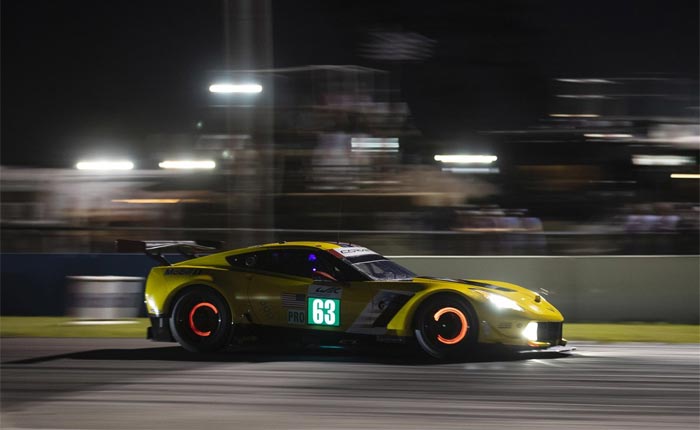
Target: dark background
{"points": [[109, 73]]}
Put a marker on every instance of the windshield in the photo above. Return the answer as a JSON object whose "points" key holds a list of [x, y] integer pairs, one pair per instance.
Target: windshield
{"points": [[373, 265], [384, 270]]}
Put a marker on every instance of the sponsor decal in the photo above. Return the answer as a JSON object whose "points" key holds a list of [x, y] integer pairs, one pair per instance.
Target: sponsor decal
{"points": [[325, 291], [292, 300], [296, 316], [353, 251], [182, 271]]}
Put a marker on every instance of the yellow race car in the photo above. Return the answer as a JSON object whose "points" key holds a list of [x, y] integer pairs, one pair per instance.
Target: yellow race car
{"points": [[335, 293]]}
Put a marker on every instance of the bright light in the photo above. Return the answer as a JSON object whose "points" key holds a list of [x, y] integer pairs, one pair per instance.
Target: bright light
{"points": [[236, 88], [147, 201], [586, 81], [530, 332], [583, 96], [104, 165], [608, 135], [502, 302], [662, 160], [472, 170], [374, 144], [574, 115], [187, 164], [466, 159], [152, 306], [685, 176]]}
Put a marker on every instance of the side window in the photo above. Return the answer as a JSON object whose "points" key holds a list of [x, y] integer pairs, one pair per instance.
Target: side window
{"points": [[305, 263], [295, 262], [245, 261]]}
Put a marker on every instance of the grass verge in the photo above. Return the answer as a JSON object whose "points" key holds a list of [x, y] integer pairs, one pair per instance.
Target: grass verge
{"points": [[634, 332], [136, 328], [67, 327]]}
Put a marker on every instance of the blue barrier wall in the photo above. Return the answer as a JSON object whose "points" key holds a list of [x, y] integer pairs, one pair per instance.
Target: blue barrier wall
{"points": [[35, 284]]}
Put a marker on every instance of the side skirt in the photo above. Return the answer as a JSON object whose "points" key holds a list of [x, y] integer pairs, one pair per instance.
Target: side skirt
{"points": [[159, 331]]}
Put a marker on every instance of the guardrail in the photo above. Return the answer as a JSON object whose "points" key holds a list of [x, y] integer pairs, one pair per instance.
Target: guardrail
{"points": [[592, 288], [599, 288]]}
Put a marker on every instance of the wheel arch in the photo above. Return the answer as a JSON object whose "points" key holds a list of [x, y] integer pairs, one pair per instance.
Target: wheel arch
{"points": [[182, 289]]}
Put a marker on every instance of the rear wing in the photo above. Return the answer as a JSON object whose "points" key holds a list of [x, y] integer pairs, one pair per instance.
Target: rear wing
{"points": [[156, 248]]}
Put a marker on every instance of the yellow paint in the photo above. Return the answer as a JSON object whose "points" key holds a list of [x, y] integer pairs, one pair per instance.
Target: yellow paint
{"points": [[258, 294]]}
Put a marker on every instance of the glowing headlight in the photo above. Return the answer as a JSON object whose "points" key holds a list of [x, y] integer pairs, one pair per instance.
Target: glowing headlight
{"points": [[152, 307], [501, 302], [530, 332]]}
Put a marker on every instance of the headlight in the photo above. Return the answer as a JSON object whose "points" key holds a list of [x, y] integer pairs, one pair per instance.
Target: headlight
{"points": [[501, 302], [151, 306], [530, 332]]}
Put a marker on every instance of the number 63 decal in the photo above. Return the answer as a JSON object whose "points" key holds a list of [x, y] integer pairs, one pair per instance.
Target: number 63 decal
{"points": [[323, 312]]}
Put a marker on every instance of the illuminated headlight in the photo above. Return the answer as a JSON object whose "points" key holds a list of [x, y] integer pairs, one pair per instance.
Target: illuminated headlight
{"points": [[152, 307], [501, 302], [530, 332]]}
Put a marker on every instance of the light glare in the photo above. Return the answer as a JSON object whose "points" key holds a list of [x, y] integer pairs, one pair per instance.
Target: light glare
{"points": [[466, 159], [586, 81], [374, 144], [187, 164], [608, 135], [530, 332], [236, 88], [662, 160], [147, 201], [103, 165], [574, 115], [685, 176], [502, 302]]}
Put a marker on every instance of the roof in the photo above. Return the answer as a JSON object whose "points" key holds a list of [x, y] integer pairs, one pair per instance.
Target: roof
{"points": [[293, 244], [219, 259]]}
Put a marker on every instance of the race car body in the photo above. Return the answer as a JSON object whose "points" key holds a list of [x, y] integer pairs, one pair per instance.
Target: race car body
{"points": [[338, 291]]}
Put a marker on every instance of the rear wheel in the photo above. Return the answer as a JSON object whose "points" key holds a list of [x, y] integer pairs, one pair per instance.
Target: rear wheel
{"points": [[446, 326], [201, 320]]}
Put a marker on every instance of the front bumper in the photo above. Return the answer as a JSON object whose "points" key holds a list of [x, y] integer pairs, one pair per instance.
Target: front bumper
{"points": [[513, 333]]}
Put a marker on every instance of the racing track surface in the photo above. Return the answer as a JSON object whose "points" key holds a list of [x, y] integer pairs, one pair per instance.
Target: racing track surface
{"points": [[136, 384]]}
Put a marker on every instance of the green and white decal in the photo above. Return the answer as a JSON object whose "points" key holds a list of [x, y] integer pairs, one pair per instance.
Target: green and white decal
{"points": [[323, 311]]}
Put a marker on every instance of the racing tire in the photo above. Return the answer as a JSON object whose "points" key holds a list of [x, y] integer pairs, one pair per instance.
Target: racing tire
{"points": [[201, 320], [446, 327]]}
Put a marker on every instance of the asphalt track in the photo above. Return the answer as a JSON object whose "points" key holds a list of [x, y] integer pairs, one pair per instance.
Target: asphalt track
{"points": [[135, 384]]}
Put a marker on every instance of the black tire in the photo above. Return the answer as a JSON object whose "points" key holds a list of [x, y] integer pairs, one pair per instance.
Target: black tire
{"points": [[446, 326], [201, 320]]}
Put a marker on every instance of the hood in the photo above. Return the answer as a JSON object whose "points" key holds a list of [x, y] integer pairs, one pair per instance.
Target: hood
{"points": [[531, 302]]}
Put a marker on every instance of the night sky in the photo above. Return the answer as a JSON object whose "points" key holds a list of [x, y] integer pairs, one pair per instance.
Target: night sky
{"points": [[79, 76]]}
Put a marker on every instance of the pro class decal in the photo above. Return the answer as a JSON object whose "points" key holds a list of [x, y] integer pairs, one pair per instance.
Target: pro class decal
{"points": [[296, 316]]}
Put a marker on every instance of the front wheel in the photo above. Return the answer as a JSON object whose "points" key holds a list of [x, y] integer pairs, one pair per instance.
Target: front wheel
{"points": [[201, 320], [446, 326]]}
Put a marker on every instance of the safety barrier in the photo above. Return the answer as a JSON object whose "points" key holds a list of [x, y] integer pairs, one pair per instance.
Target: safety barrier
{"points": [[595, 289], [606, 288]]}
